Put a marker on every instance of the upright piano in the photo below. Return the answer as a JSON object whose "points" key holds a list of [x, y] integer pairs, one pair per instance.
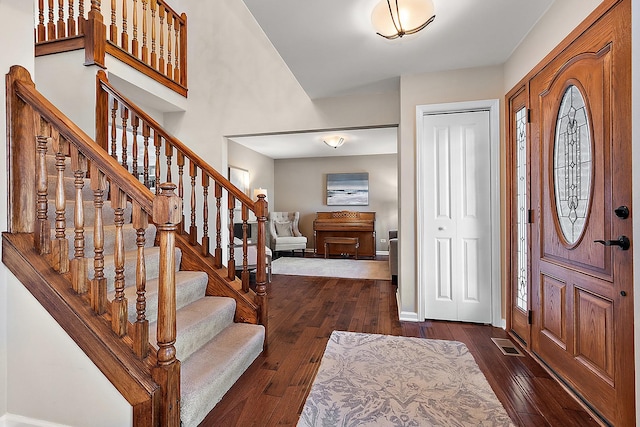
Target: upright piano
{"points": [[345, 224]]}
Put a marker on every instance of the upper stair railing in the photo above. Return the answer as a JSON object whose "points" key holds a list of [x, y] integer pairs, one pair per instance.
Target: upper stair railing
{"points": [[151, 154], [147, 35]]}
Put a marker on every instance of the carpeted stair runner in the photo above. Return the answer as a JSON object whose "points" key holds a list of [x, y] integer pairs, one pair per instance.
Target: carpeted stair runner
{"points": [[213, 350]]}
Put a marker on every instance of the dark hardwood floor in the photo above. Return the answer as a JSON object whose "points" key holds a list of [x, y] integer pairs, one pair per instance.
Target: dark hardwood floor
{"points": [[305, 310]]}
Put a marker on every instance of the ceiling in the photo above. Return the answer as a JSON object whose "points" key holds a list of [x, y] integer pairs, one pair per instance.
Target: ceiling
{"points": [[332, 49]]}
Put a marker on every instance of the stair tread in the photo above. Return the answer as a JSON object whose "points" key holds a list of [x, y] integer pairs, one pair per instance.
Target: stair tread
{"points": [[198, 322], [211, 371]]}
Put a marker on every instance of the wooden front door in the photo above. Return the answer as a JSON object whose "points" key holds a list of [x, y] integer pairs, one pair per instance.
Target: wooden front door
{"points": [[581, 260]]}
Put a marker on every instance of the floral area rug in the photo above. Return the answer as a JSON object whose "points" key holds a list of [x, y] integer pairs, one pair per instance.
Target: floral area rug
{"points": [[381, 380]]}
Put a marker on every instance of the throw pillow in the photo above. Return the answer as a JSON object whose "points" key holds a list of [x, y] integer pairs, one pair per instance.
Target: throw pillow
{"points": [[283, 229]]}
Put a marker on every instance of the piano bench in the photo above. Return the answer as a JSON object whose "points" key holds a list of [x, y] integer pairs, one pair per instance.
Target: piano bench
{"points": [[353, 241]]}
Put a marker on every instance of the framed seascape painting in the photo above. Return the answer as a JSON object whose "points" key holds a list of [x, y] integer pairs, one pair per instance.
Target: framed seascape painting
{"points": [[348, 189]]}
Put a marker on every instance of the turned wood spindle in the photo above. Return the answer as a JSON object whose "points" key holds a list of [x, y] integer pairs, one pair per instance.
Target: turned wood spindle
{"points": [[71, 23], [140, 221], [79, 262], [245, 249], [124, 37], [114, 129], [124, 115], [81, 18], [176, 51], [42, 232], [154, 56], [134, 41], [180, 161], [113, 29], [168, 153], [145, 48], [119, 304], [231, 266], [41, 31], [169, 71], [146, 132], [51, 26], [205, 214], [60, 246], [99, 282], [193, 229], [218, 250], [157, 142], [61, 27], [161, 36], [135, 123]]}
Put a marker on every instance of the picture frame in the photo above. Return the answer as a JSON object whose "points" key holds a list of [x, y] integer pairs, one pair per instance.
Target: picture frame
{"points": [[240, 178], [347, 189]]}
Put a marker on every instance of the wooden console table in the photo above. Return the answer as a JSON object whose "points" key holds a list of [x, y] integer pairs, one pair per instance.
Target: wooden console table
{"points": [[350, 241]]}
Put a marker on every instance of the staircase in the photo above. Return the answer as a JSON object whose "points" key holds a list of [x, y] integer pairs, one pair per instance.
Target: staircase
{"points": [[169, 324]]}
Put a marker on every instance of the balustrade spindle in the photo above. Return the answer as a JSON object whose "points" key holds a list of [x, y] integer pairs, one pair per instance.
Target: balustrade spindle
{"points": [[41, 30], [119, 304], [218, 250], [114, 129], [205, 214], [71, 23], [42, 232], [134, 41], [157, 142], [168, 152], [161, 63], [180, 162], [124, 115], [176, 53], [124, 40], [245, 270], [60, 246], [154, 56], [99, 282], [51, 26], [193, 230], [169, 72], [113, 29], [146, 132], [61, 30], [231, 266], [81, 18], [145, 48], [167, 208], [79, 166], [135, 123], [140, 221]]}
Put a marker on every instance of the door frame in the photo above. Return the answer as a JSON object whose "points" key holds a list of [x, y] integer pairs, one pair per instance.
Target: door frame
{"points": [[493, 107]]}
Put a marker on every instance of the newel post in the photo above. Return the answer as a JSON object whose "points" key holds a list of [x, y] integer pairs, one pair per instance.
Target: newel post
{"points": [[262, 207], [95, 36], [167, 213]]}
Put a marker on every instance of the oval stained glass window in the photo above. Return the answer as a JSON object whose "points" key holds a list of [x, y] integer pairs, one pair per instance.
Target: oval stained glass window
{"points": [[572, 164]]}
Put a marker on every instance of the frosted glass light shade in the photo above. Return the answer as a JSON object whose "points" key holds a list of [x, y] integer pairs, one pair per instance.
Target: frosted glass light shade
{"points": [[395, 18], [258, 191]]}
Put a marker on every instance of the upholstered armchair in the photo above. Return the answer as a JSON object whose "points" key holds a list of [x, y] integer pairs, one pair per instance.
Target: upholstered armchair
{"points": [[393, 255], [284, 233]]}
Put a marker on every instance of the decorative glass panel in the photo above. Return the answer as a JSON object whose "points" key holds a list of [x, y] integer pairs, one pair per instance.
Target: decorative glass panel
{"points": [[572, 164], [521, 176]]}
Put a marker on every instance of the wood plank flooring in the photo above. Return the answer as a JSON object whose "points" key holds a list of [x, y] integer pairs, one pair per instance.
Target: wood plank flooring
{"points": [[305, 310]]}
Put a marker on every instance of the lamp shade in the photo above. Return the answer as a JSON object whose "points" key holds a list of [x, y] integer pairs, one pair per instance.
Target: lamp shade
{"points": [[334, 141], [258, 191], [395, 18]]}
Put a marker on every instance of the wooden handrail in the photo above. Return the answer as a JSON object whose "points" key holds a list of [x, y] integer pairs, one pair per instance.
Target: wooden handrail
{"points": [[154, 19]]}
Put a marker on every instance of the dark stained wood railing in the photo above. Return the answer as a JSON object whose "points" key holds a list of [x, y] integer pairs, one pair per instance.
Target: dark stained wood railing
{"points": [[147, 35], [149, 382], [164, 158]]}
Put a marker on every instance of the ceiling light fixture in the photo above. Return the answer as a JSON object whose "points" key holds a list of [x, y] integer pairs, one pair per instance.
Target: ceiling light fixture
{"points": [[334, 141], [393, 19]]}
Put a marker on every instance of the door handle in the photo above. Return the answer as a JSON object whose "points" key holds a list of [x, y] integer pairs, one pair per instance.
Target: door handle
{"points": [[622, 241]]}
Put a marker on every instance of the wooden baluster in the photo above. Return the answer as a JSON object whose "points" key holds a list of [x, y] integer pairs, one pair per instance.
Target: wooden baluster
{"points": [[205, 214], [262, 208], [51, 26], [176, 53], [60, 245], [42, 232], [124, 115], [245, 249], [146, 132], [145, 48], [180, 161], [134, 41], [193, 229], [168, 152], [99, 282], [231, 266], [71, 23], [62, 32], [167, 208], [113, 29], [140, 221], [169, 71], [183, 50], [41, 30], [114, 129], [161, 35], [79, 262], [81, 18], [157, 142], [135, 123], [119, 304], [218, 250], [124, 40], [154, 57]]}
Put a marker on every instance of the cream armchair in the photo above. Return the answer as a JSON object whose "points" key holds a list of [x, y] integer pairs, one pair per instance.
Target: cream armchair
{"points": [[284, 233]]}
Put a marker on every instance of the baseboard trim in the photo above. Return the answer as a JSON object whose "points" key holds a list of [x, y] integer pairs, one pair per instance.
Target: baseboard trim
{"points": [[409, 316], [11, 420]]}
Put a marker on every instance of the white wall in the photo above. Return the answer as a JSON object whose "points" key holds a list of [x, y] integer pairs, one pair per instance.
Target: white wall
{"points": [[260, 169]]}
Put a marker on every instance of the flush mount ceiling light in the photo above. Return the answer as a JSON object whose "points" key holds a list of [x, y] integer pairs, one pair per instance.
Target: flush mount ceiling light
{"points": [[393, 19], [334, 141]]}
